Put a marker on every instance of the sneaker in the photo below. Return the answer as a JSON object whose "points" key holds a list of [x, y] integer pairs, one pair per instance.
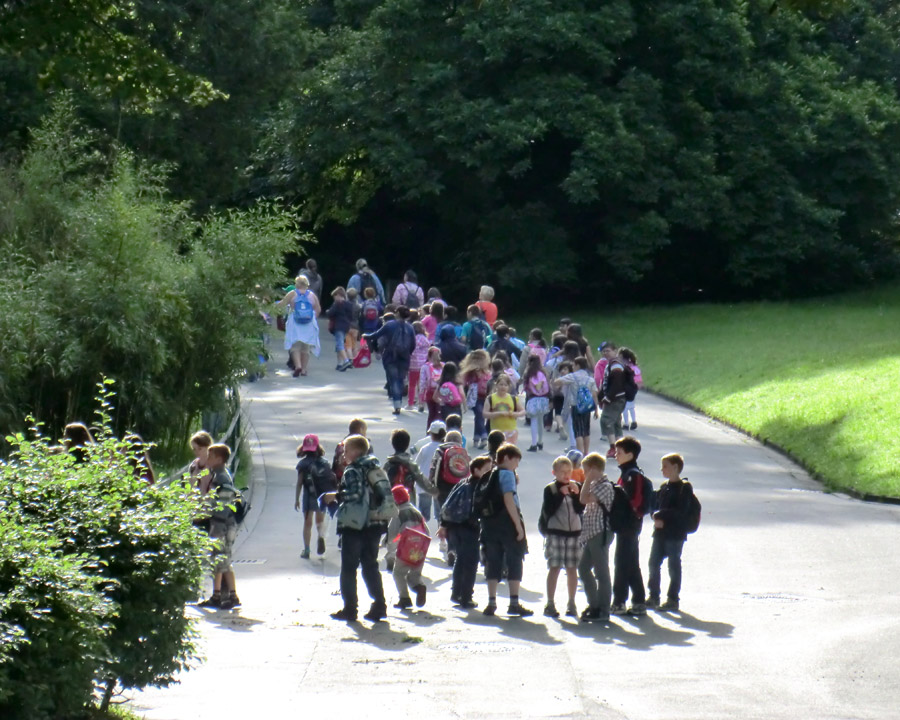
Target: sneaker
{"points": [[590, 615], [611, 453], [305, 554], [421, 592], [455, 599], [533, 448], [652, 602], [571, 610], [421, 408], [489, 610], [377, 612], [467, 604], [338, 366], [633, 426], [396, 411], [320, 546], [638, 609], [669, 606], [520, 611], [618, 609], [403, 603], [213, 601], [451, 558], [540, 446], [549, 611], [226, 604], [345, 614], [235, 600]]}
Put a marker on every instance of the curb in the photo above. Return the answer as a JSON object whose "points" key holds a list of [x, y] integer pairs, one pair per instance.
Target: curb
{"points": [[855, 494]]}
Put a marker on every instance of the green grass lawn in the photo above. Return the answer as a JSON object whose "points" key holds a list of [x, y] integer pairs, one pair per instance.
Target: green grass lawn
{"points": [[819, 378]]}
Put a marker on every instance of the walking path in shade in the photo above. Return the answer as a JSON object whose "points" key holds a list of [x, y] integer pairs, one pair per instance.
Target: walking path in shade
{"points": [[790, 605]]}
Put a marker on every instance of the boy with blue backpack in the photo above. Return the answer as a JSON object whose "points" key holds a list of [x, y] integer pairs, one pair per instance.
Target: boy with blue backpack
{"points": [[580, 402], [459, 526], [476, 333], [639, 491]]}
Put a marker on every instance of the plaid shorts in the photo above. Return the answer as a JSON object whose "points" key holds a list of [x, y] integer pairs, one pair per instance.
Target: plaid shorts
{"points": [[224, 533], [562, 551]]}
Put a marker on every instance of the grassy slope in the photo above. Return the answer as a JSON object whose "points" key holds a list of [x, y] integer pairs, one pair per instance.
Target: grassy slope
{"points": [[820, 378]]}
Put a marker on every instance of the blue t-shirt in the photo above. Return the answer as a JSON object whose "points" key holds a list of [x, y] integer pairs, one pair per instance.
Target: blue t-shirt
{"points": [[507, 480]]}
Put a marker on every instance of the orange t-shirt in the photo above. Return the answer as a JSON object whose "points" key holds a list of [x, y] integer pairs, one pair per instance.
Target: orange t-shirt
{"points": [[578, 475], [489, 310]]}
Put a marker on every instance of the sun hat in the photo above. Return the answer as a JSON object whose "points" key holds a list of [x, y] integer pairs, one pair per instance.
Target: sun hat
{"points": [[575, 456], [361, 264], [310, 444], [436, 427]]}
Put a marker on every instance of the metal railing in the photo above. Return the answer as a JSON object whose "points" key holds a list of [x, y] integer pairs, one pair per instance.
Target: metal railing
{"points": [[233, 433]]}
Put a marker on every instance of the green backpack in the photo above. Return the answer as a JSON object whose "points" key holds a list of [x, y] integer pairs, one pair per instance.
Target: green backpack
{"points": [[382, 507]]}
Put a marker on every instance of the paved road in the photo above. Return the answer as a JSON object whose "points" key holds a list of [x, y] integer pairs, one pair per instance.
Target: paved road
{"points": [[790, 598]]}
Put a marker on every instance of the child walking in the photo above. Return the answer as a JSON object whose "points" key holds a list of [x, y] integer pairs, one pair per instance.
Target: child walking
{"points": [[448, 394], [630, 360], [560, 523], [459, 527], [407, 574], [340, 315], [314, 479], [503, 409], [476, 373], [429, 375], [537, 399], [581, 402], [669, 531], [418, 358]]}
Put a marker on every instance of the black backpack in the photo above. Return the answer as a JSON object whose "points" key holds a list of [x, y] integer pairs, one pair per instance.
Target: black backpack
{"points": [[620, 517], [487, 500], [412, 297], [366, 281], [692, 522], [477, 335], [631, 387]]}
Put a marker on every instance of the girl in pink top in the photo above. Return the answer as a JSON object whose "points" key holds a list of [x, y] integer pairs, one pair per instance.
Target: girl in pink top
{"points": [[476, 372], [434, 318], [630, 360], [418, 358], [429, 375]]}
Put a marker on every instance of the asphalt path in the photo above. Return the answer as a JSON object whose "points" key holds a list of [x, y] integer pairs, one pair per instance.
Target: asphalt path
{"points": [[789, 601]]}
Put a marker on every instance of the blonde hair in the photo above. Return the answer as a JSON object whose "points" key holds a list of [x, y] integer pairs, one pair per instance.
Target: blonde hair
{"points": [[486, 293], [562, 460], [357, 442], [475, 360], [507, 378], [301, 281], [594, 461]]}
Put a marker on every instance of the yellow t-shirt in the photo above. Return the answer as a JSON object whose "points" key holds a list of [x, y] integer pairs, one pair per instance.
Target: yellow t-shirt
{"points": [[506, 404]]}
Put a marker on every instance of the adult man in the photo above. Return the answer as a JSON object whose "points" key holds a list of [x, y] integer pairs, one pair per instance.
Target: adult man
{"points": [[365, 278], [408, 292], [398, 340], [311, 273]]}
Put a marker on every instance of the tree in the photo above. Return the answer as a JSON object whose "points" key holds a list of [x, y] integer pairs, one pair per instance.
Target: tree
{"points": [[685, 145]]}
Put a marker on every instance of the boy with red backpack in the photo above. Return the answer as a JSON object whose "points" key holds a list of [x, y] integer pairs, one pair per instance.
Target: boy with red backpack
{"points": [[402, 470], [639, 490], [449, 466], [370, 312], [408, 541]]}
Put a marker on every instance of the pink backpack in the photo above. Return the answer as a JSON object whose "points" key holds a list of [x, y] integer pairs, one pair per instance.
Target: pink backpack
{"points": [[539, 351], [449, 394], [412, 545], [538, 385]]}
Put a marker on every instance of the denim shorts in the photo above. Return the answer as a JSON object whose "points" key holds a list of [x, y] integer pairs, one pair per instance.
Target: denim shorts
{"points": [[339, 340]]}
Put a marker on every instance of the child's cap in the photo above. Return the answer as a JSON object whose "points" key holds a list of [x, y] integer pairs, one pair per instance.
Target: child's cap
{"points": [[310, 444], [575, 456], [436, 427], [400, 493]]}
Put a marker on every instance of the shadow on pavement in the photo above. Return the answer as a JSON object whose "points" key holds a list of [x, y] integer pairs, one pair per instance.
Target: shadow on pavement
{"points": [[384, 637], [636, 634], [514, 627], [712, 629], [228, 620]]}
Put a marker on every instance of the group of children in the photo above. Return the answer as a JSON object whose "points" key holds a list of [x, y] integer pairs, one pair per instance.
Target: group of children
{"points": [[476, 504]]}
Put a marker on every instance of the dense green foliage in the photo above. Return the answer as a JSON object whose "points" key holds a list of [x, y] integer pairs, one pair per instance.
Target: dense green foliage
{"points": [[100, 273], [817, 377], [715, 146], [95, 570]]}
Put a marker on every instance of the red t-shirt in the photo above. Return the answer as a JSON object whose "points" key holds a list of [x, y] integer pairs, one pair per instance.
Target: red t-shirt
{"points": [[489, 310]]}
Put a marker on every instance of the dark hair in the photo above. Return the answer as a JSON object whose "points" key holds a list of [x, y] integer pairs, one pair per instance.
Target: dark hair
{"points": [[610, 345], [387, 317], [320, 451], [413, 315], [495, 441], [630, 444], [501, 331], [565, 321], [449, 312], [418, 327], [574, 331], [532, 367], [433, 292], [448, 373], [566, 365], [311, 265], [411, 276], [403, 312], [508, 450], [453, 422], [202, 439], [503, 357], [400, 440], [558, 339], [497, 366], [478, 462], [474, 311], [437, 311], [538, 336], [223, 452], [629, 357], [390, 308], [581, 363], [571, 350]]}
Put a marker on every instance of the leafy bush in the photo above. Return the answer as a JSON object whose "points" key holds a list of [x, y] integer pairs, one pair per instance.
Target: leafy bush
{"points": [[101, 273], [95, 570]]}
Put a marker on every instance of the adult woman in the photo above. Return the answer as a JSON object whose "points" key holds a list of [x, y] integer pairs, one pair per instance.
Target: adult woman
{"points": [[301, 333]]}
